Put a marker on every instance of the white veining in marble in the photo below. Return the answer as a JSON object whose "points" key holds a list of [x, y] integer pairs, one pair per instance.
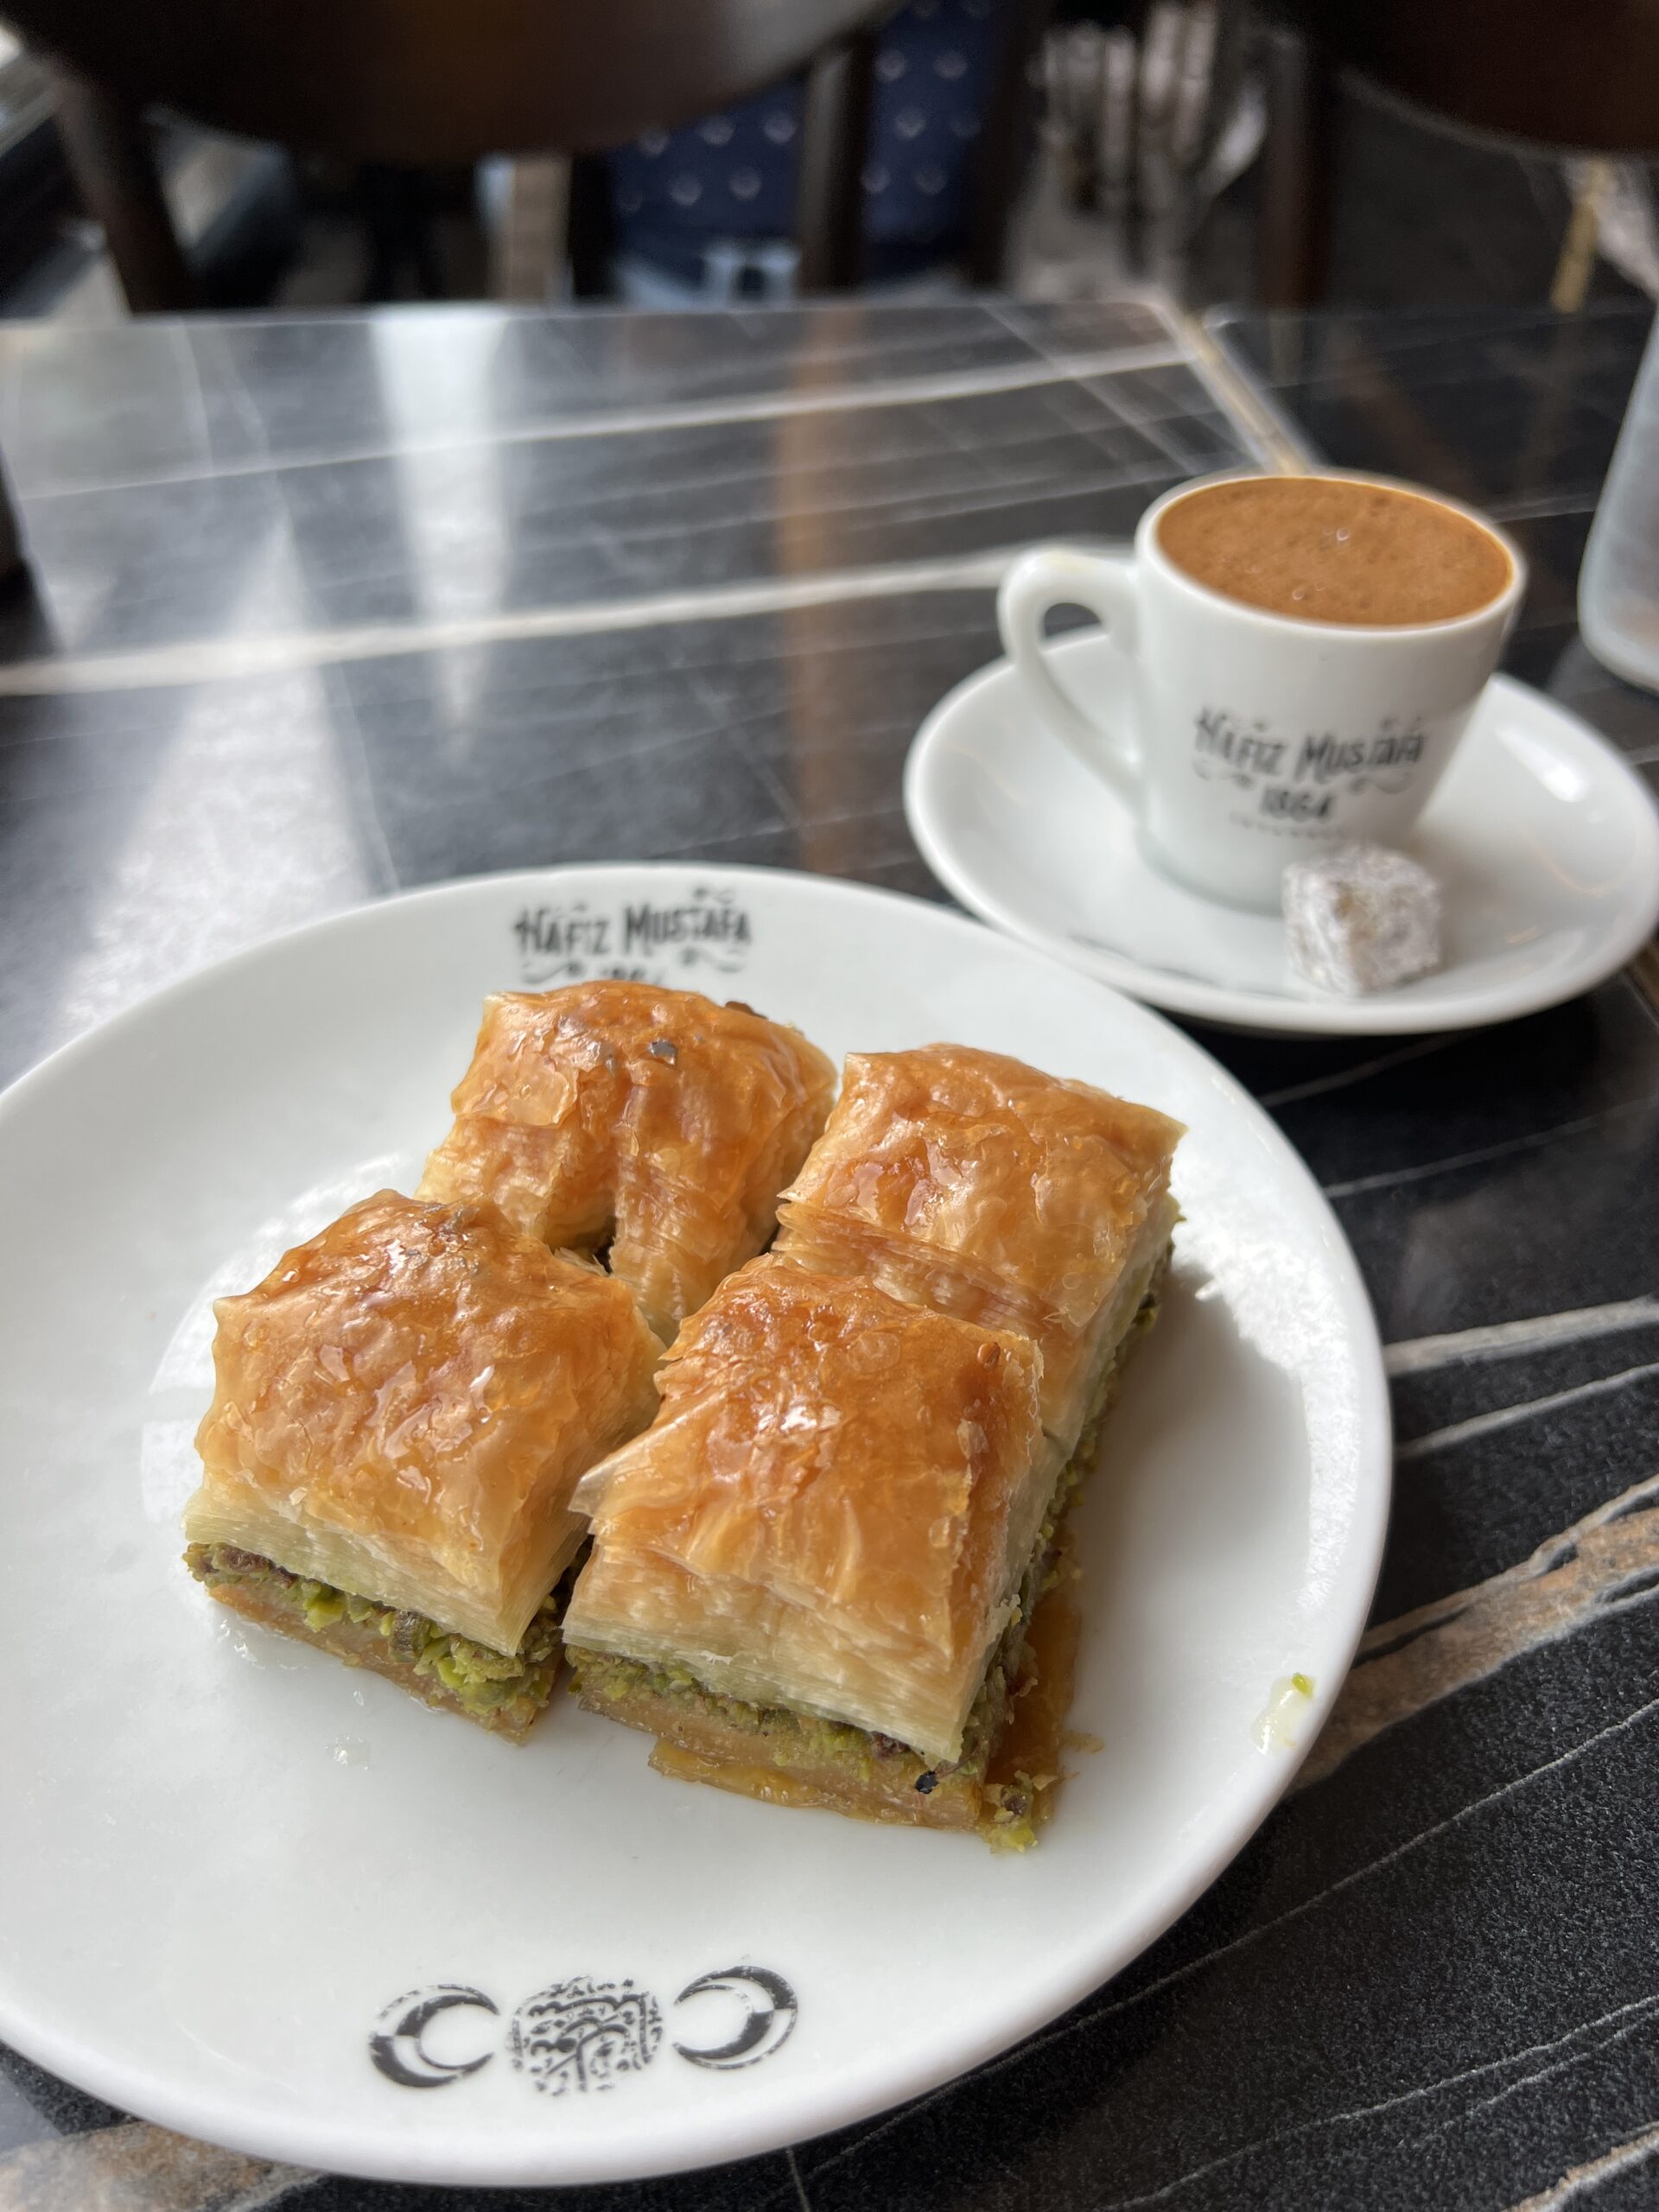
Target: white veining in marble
{"points": [[1561, 2055], [1505, 1791], [1626, 2016], [1500, 1339], [1266, 430], [682, 415], [805, 2202], [147, 668], [1601, 1564], [1541, 507], [1271, 433], [1389, 1178], [1459, 1432], [1581, 2181], [1294, 1093]]}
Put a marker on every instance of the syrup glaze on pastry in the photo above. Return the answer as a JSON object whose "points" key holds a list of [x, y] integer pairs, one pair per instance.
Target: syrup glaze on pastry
{"points": [[403, 1406], [985, 1188], [823, 1514], [651, 1121]]}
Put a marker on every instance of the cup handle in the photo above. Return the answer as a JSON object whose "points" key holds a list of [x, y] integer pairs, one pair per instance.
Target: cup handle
{"points": [[1062, 575]]}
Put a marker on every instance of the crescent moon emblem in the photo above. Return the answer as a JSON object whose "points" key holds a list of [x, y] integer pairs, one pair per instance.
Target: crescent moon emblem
{"points": [[395, 2046], [771, 2010]]}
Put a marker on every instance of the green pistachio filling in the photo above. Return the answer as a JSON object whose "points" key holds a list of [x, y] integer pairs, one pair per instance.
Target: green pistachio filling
{"points": [[790, 1741], [482, 1681]]}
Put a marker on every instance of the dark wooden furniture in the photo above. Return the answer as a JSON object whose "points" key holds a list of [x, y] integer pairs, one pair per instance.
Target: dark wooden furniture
{"points": [[1585, 77], [1004, 142], [419, 82], [407, 84]]}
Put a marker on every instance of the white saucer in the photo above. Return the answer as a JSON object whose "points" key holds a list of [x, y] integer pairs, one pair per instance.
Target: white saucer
{"points": [[256, 1896], [1546, 843]]}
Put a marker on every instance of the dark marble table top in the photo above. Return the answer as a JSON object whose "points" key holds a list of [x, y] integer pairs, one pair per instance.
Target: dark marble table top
{"points": [[323, 609]]}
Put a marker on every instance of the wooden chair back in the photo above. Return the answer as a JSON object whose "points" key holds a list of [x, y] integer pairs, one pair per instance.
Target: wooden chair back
{"points": [[1583, 77], [424, 83]]}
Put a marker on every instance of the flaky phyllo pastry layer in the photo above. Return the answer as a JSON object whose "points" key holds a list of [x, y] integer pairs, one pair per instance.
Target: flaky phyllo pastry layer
{"points": [[969, 1182], [828, 1562], [402, 1409], [818, 1576], [823, 1513], [651, 1123]]}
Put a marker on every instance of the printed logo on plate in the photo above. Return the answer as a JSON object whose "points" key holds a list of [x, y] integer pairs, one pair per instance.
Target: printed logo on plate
{"points": [[584, 2034], [688, 941]]}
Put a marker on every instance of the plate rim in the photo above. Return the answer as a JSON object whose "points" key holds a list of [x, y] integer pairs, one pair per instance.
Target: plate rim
{"points": [[1276, 1013], [806, 2109]]}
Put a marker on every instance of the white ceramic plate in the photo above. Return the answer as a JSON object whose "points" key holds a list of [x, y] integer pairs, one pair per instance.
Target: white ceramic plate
{"points": [[256, 1896], [1545, 844]]}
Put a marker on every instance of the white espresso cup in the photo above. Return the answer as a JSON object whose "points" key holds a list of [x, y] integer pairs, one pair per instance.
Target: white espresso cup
{"points": [[1242, 740]]}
